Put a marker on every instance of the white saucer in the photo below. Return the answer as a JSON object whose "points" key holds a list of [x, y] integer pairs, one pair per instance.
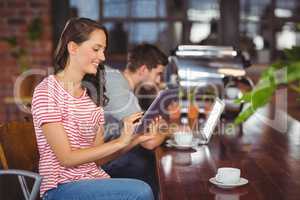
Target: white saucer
{"points": [[242, 181], [172, 143]]}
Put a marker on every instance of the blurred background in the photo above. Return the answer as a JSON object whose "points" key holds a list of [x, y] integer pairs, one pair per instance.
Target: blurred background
{"points": [[29, 31]]}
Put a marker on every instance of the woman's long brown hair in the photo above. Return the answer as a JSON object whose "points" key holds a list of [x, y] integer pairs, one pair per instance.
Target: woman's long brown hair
{"points": [[78, 30]]}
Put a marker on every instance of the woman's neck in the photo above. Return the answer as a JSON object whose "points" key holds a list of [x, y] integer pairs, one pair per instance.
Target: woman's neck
{"points": [[70, 80]]}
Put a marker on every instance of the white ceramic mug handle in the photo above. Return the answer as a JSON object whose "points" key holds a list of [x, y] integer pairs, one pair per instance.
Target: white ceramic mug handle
{"points": [[217, 177]]}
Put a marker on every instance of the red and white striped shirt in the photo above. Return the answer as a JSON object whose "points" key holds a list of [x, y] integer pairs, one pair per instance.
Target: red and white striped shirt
{"points": [[80, 118]]}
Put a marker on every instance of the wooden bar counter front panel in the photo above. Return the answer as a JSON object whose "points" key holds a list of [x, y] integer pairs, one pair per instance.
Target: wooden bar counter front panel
{"points": [[268, 157]]}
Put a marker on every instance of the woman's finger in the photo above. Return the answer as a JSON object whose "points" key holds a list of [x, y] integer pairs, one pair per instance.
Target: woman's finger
{"points": [[134, 115]]}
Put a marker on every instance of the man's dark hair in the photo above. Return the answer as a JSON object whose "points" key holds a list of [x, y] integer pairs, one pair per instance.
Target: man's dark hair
{"points": [[145, 54]]}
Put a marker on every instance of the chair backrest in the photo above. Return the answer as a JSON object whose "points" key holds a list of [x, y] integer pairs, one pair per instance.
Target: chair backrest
{"points": [[22, 175], [18, 148]]}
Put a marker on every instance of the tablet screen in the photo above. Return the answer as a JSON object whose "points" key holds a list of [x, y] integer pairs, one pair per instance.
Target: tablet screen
{"points": [[158, 107]]}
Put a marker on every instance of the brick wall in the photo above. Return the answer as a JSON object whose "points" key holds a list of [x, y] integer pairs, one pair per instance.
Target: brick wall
{"points": [[15, 16]]}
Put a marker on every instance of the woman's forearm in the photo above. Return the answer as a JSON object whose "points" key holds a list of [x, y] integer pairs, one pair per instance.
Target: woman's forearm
{"points": [[70, 157], [92, 154]]}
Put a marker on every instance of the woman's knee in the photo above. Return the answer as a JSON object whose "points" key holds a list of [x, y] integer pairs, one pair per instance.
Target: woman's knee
{"points": [[142, 190]]}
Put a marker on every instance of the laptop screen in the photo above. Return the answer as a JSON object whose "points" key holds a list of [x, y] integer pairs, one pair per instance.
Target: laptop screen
{"points": [[213, 118]]}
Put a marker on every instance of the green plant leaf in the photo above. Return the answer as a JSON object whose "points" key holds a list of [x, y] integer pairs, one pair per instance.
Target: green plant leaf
{"points": [[243, 116], [270, 79], [262, 96], [257, 98], [293, 72]]}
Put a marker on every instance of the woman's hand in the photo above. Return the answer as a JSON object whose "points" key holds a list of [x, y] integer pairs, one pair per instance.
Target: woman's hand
{"points": [[153, 131], [128, 128], [159, 126], [158, 132]]}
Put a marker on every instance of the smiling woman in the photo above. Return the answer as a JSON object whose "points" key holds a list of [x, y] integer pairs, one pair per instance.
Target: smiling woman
{"points": [[68, 120], [84, 49]]}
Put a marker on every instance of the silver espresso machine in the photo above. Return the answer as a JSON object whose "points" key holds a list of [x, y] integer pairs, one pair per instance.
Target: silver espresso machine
{"points": [[211, 71]]}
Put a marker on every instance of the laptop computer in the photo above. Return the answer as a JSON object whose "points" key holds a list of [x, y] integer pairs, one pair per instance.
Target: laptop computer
{"points": [[205, 134]]}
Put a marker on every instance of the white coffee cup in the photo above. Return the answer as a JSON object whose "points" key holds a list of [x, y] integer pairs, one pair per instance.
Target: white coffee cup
{"points": [[183, 138], [228, 175]]}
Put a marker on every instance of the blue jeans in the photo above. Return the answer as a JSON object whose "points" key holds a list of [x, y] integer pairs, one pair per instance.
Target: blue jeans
{"points": [[104, 189]]}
